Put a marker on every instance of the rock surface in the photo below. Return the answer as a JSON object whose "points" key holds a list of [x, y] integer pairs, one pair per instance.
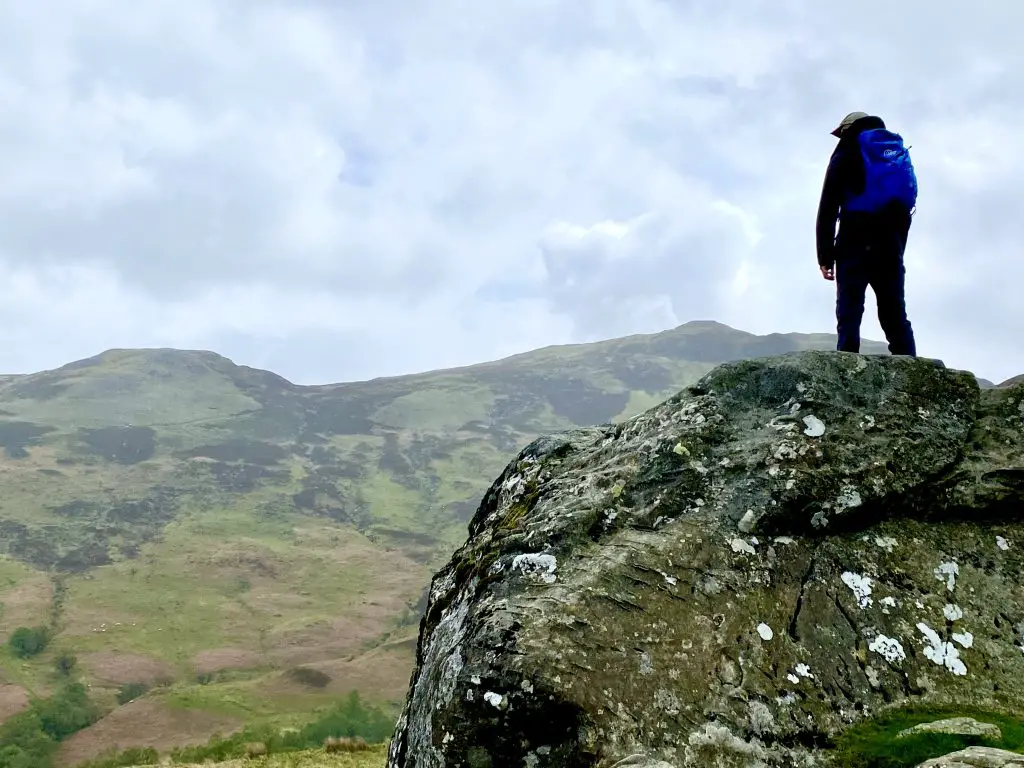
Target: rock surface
{"points": [[735, 576], [977, 757], [960, 726]]}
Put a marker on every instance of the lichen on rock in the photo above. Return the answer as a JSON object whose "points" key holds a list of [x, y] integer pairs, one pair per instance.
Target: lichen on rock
{"points": [[733, 577]]}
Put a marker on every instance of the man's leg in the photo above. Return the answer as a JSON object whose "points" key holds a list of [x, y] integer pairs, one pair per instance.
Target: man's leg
{"points": [[887, 281], [851, 285]]}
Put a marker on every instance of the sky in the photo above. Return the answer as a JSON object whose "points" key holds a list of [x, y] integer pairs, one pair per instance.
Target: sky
{"points": [[338, 191]]}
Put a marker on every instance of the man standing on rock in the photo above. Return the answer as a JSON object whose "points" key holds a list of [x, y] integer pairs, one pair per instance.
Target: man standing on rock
{"points": [[871, 188]]}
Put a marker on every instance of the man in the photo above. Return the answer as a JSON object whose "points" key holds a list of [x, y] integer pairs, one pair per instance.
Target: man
{"points": [[871, 188]]}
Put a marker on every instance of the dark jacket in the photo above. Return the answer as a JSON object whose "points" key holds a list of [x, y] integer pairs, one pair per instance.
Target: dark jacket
{"points": [[845, 176]]}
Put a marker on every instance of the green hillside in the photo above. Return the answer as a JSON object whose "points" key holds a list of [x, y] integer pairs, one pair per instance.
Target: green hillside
{"points": [[247, 550]]}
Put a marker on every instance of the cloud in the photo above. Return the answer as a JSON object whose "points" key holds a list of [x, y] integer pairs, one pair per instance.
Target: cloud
{"points": [[347, 190]]}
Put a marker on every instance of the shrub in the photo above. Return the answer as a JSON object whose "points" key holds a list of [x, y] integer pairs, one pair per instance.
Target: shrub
{"points": [[307, 676], [65, 663], [30, 737], [26, 642], [23, 739], [67, 711], [131, 691]]}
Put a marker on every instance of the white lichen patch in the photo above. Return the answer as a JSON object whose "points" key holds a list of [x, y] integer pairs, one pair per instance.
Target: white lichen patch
{"points": [[887, 602], [746, 523], [953, 612], [785, 451], [942, 653], [1002, 544], [762, 721], [868, 422], [801, 670], [848, 498], [815, 427], [494, 699], [765, 631], [861, 587], [888, 648], [873, 680], [948, 572], [667, 701], [646, 663], [542, 566], [784, 540], [885, 542], [966, 639], [741, 547]]}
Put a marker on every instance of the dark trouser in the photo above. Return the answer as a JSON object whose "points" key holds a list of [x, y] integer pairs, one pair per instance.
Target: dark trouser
{"points": [[877, 262]]}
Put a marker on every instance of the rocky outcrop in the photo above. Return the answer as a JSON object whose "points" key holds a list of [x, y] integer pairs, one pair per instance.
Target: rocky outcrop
{"points": [[959, 726], [977, 757], [735, 576]]}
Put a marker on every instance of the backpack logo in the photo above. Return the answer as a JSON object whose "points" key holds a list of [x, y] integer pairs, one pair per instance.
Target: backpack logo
{"points": [[888, 173]]}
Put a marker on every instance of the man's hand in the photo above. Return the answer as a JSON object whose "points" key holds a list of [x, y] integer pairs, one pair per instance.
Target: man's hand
{"points": [[829, 273]]}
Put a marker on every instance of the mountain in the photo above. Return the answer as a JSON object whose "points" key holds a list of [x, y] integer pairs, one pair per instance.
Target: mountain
{"points": [[252, 548]]}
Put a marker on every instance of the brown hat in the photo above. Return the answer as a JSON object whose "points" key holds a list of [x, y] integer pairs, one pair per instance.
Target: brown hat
{"points": [[849, 120]]}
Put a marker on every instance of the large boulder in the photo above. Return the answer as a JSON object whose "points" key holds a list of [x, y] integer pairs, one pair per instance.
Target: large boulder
{"points": [[735, 576]]}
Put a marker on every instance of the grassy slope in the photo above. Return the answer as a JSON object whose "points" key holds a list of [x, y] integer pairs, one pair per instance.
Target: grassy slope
{"points": [[206, 519]]}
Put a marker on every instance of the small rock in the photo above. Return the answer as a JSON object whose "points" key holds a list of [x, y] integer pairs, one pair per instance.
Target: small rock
{"points": [[959, 726]]}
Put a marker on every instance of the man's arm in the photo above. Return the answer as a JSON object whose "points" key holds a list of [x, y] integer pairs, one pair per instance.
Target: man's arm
{"points": [[828, 212]]}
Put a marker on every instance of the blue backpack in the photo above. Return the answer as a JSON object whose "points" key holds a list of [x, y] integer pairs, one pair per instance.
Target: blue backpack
{"points": [[888, 173]]}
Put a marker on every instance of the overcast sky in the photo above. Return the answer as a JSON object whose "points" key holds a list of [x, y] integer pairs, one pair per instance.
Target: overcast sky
{"points": [[340, 190]]}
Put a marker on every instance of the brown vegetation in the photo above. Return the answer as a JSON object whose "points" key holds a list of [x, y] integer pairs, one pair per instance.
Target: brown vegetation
{"points": [[344, 744], [145, 723], [383, 670], [25, 605], [255, 749], [220, 659], [112, 668], [13, 699]]}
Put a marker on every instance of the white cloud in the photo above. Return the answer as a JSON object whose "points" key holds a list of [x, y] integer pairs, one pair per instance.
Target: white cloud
{"points": [[344, 190]]}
